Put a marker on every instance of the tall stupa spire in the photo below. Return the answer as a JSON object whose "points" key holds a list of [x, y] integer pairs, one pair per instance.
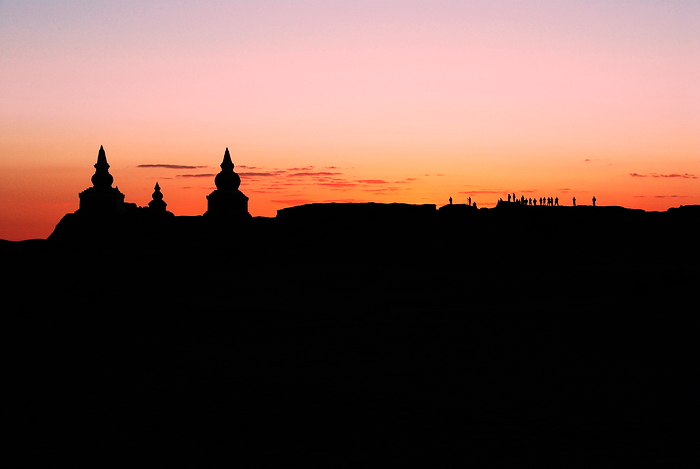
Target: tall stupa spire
{"points": [[102, 178], [101, 158], [101, 197], [227, 179], [227, 200], [227, 163]]}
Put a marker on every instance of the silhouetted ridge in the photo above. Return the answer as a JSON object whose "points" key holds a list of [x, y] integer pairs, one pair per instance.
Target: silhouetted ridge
{"points": [[558, 332], [103, 218], [357, 212], [458, 209]]}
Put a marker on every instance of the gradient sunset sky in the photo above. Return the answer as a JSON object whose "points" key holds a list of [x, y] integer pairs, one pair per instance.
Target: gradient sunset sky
{"points": [[367, 101]]}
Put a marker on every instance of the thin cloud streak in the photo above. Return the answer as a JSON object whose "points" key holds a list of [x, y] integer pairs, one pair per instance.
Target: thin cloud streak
{"points": [[656, 175], [484, 192], [262, 174], [169, 166], [319, 173]]}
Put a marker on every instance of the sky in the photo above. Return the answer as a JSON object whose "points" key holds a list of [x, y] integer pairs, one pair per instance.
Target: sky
{"points": [[348, 101]]}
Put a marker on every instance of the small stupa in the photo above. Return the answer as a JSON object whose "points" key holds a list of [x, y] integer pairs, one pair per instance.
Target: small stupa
{"points": [[227, 201], [157, 204], [101, 198], [156, 209]]}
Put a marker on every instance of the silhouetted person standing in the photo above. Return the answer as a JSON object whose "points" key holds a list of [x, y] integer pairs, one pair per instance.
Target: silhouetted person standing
{"points": [[508, 197], [556, 201], [594, 199], [469, 199], [450, 200], [574, 201]]}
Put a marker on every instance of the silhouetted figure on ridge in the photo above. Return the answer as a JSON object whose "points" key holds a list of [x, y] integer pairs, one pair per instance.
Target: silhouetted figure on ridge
{"points": [[450, 200], [574, 200], [508, 197], [594, 199], [469, 200], [556, 201]]}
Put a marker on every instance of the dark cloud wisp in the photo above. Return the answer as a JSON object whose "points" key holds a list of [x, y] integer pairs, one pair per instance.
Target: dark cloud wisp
{"points": [[656, 175], [170, 166]]}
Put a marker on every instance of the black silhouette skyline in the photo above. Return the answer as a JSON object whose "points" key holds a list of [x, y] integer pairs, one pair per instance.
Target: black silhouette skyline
{"points": [[227, 204], [526, 332]]}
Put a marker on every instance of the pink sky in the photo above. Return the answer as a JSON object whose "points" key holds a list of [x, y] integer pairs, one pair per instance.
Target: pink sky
{"points": [[395, 101]]}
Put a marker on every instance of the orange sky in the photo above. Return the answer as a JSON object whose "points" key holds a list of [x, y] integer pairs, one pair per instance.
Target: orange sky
{"points": [[384, 101]]}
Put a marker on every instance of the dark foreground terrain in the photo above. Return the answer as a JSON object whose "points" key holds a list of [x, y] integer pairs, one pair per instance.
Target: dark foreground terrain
{"points": [[484, 340]]}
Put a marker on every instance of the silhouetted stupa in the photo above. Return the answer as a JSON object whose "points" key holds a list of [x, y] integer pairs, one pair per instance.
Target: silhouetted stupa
{"points": [[156, 207], [227, 201], [157, 204], [101, 197]]}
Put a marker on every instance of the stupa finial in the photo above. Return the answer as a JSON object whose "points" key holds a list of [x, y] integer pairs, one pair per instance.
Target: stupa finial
{"points": [[102, 178], [227, 179], [227, 162]]}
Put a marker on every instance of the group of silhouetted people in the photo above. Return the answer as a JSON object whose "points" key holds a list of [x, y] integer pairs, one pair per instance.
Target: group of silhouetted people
{"points": [[548, 201]]}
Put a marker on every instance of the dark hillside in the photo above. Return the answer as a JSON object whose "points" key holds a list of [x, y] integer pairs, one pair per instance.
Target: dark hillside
{"points": [[563, 336]]}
